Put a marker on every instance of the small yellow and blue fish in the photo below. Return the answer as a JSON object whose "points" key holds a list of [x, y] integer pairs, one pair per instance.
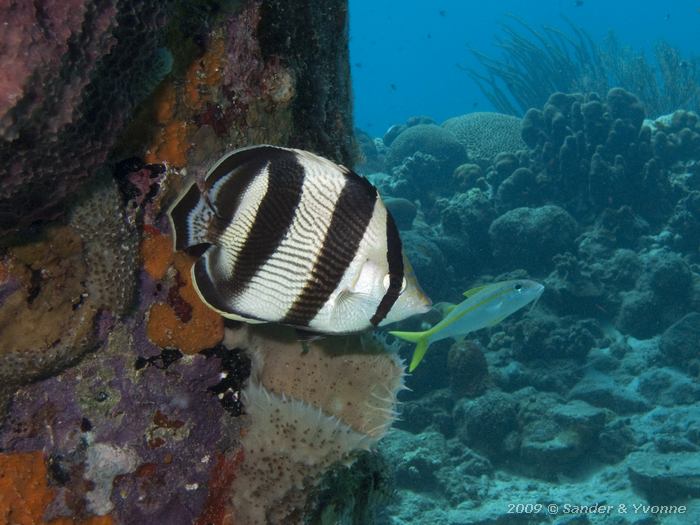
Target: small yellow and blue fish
{"points": [[484, 306], [285, 236]]}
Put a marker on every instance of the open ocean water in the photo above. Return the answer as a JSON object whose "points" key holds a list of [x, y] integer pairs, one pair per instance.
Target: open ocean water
{"points": [[556, 141]]}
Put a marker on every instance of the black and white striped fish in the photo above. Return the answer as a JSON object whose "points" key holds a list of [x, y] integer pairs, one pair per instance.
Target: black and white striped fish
{"points": [[289, 237]]}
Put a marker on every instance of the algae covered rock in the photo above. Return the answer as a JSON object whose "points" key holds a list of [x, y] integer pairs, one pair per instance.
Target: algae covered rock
{"points": [[484, 423]]}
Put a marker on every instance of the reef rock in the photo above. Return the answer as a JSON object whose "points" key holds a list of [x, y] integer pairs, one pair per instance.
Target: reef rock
{"points": [[665, 478], [530, 237], [679, 342]]}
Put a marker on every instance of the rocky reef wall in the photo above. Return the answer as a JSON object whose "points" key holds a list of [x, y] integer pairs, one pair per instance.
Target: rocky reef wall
{"points": [[123, 398]]}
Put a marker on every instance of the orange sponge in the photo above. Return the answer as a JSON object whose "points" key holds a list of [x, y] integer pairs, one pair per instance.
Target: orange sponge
{"points": [[191, 328], [157, 254], [24, 492]]}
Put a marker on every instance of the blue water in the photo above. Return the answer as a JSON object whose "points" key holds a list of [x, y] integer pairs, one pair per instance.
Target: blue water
{"points": [[408, 56]]}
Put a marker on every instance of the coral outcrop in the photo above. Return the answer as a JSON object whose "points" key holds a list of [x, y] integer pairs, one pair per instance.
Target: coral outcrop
{"points": [[435, 144]]}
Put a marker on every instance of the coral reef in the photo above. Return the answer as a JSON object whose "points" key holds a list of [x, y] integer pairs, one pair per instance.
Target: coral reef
{"points": [[532, 236], [595, 154], [591, 394]]}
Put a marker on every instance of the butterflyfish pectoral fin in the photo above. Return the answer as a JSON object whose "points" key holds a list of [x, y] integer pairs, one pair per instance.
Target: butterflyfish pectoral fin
{"points": [[475, 290], [350, 304]]}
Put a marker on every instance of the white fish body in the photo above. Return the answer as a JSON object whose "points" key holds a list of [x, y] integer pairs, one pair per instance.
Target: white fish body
{"points": [[286, 236]]}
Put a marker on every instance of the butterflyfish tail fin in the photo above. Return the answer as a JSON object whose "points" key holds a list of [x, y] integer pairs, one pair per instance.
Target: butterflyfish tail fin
{"points": [[422, 343]]}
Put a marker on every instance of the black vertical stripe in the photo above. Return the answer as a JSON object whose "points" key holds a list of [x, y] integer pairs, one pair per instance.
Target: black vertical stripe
{"points": [[351, 216], [180, 218], [272, 221], [241, 167], [394, 256]]}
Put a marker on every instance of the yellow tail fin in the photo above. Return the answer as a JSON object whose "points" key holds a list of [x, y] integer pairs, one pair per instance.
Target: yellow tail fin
{"points": [[421, 340]]}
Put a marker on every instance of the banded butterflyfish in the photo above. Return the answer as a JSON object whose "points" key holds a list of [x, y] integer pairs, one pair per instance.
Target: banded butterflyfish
{"points": [[285, 236]]}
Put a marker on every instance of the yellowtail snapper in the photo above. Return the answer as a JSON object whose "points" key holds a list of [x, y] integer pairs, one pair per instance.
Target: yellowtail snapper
{"points": [[484, 306]]}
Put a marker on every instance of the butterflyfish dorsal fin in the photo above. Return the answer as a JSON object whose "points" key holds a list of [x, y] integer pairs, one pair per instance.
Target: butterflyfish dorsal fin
{"points": [[474, 291]]}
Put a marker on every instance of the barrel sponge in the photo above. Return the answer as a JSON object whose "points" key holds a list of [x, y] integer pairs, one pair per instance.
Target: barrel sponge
{"points": [[288, 446], [348, 377], [431, 140], [308, 410], [486, 134]]}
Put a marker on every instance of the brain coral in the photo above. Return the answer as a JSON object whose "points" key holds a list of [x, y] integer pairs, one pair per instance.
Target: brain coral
{"points": [[486, 134], [431, 140]]}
